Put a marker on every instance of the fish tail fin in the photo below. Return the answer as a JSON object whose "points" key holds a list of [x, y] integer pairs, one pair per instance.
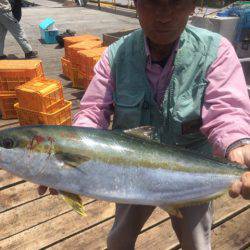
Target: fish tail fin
{"points": [[74, 201]]}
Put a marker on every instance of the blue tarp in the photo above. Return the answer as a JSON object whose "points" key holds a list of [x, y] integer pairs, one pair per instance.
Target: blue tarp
{"points": [[243, 12]]}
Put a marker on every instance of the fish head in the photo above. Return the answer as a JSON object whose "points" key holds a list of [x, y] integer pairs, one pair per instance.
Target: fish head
{"points": [[24, 151]]}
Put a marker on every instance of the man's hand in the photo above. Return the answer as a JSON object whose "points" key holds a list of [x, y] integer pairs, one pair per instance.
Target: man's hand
{"points": [[241, 155], [42, 190]]}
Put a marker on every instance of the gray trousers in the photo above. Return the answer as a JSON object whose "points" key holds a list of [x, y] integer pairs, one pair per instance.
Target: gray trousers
{"points": [[81, 3], [193, 230], [9, 23]]}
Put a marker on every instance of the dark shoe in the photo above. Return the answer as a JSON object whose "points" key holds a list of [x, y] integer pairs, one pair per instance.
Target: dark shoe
{"points": [[3, 57], [30, 55]]}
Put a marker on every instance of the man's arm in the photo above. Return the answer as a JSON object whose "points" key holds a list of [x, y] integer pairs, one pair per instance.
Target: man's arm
{"points": [[226, 109], [226, 112], [96, 105]]}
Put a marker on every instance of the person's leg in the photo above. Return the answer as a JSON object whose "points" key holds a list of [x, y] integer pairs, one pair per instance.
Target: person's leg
{"points": [[80, 2], [84, 3], [129, 220], [194, 229], [12, 25], [3, 32]]}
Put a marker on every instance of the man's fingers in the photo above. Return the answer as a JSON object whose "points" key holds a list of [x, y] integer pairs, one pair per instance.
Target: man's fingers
{"points": [[53, 191], [235, 189], [42, 190], [245, 185]]}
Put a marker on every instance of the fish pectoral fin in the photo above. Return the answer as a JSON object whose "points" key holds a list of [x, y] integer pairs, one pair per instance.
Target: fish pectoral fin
{"points": [[144, 132], [74, 201], [71, 160], [172, 211]]}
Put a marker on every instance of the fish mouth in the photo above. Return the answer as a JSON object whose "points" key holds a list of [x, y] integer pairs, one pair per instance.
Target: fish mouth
{"points": [[2, 157], [6, 164], [5, 160]]}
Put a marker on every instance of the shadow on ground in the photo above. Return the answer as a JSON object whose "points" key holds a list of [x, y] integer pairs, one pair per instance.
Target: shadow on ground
{"points": [[13, 57]]}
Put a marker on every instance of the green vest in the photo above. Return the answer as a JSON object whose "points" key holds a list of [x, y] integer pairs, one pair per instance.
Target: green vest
{"points": [[178, 120]]}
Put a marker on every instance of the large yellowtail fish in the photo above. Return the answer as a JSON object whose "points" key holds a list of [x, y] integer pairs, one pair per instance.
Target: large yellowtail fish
{"points": [[112, 166]]}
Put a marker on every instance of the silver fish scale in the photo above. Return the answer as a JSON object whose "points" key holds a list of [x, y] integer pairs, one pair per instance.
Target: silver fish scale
{"points": [[135, 185]]}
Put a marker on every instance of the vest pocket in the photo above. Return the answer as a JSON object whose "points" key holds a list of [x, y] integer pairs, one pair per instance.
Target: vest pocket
{"points": [[187, 132], [128, 111]]}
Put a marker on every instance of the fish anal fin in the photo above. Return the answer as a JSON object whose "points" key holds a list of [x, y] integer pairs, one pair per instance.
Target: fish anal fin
{"points": [[74, 201], [71, 160], [144, 132], [172, 211]]}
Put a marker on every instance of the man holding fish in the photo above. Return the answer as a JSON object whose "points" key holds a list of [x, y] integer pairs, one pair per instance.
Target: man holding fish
{"points": [[186, 82]]}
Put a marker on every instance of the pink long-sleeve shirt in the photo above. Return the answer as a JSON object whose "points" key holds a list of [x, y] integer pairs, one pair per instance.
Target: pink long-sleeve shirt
{"points": [[226, 107]]}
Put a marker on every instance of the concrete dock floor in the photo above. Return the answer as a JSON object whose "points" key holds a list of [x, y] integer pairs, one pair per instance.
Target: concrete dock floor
{"points": [[82, 20]]}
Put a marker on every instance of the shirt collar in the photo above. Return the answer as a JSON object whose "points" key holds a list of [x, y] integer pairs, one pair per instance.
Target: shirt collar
{"points": [[148, 54]]}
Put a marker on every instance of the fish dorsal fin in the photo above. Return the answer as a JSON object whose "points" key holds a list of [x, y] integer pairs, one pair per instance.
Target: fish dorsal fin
{"points": [[172, 211], [74, 201], [71, 160], [145, 132]]}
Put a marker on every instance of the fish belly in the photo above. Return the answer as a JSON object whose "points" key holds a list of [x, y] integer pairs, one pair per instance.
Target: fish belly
{"points": [[138, 185]]}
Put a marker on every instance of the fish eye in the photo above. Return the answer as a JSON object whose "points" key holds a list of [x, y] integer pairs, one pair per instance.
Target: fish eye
{"points": [[8, 143]]}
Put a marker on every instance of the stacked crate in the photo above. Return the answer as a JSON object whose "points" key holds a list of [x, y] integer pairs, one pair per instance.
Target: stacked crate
{"points": [[85, 70], [85, 45], [76, 59], [13, 73], [68, 41], [7, 101], [66, 61], [42, 102]]}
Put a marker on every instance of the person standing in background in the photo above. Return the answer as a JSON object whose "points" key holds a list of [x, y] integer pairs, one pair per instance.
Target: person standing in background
{"points": [[16, 6], [9, 23], [81, 3]]}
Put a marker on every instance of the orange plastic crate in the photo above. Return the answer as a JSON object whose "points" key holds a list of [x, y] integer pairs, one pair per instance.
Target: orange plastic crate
{"points": [[86, 45], [41, 95], [80, 80], [76, 39], [67, 68], [7, 101], [16, 72], [89, 58], [60, 117]]}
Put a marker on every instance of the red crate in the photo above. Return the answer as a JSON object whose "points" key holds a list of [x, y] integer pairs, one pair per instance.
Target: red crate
{"points": [[67, 68], [7, 101], [80, 80], [16, 72], [88, 59], [41, 95], [76, 39], [86, 45], [60, 117]]}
